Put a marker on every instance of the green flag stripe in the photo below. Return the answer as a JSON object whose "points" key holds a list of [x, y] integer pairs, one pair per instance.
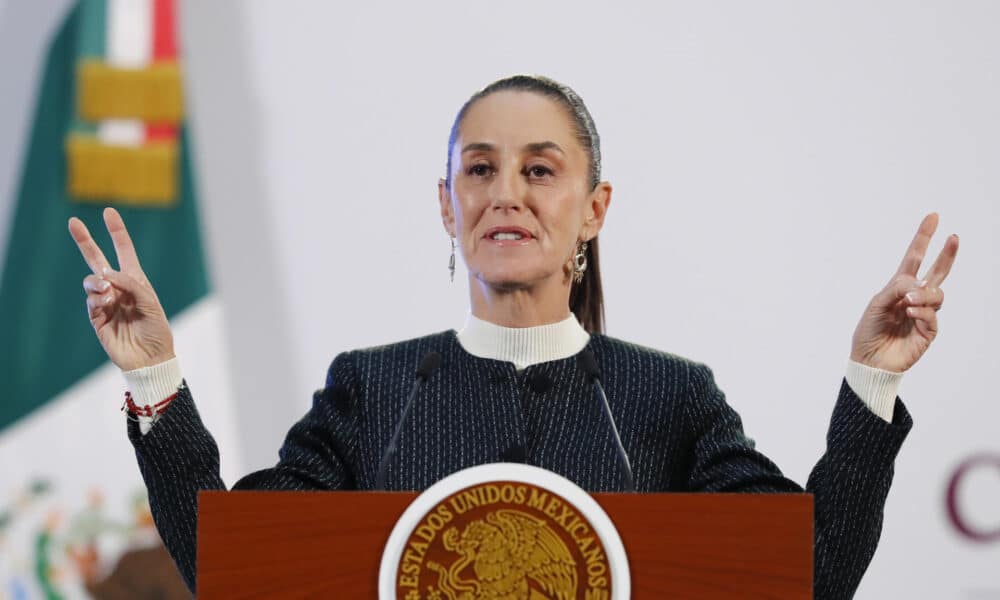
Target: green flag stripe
{"points": [[48, 343], [93, 27], [91, 43]]}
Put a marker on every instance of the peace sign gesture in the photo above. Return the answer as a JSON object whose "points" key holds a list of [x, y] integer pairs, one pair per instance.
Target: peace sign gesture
{"points": [[901, 320], [123, 308]]}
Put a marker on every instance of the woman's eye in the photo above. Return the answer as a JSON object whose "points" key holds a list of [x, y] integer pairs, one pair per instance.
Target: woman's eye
{"points": [[539, 172], [480, 170]]}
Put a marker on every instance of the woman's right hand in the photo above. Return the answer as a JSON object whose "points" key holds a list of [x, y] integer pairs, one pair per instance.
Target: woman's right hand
{"points": [[123, 308]]}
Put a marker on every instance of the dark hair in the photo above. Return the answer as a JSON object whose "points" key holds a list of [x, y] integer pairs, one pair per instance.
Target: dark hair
{"points": [[586, 299]]}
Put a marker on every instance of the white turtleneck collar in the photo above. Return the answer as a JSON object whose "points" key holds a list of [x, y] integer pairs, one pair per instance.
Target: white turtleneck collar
{"points": [[523, 346]]}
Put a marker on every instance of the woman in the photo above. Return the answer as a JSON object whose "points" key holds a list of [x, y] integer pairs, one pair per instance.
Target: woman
{"points": [[523, 201]]}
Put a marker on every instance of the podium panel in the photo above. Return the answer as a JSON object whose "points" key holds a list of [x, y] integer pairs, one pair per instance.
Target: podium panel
{"points": [[329, 544]]}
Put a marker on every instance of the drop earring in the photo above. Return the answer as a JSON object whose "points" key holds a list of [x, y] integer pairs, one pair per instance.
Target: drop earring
{"points": [[451, 261], [580, 262]]}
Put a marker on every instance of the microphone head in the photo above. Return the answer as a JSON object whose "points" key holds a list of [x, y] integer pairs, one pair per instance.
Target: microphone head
{"points": [[514, 454], [428, 364], [540, 383], [588, 363]]}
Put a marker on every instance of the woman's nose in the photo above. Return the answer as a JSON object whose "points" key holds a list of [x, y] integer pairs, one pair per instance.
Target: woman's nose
{"points": [[507, 193]]}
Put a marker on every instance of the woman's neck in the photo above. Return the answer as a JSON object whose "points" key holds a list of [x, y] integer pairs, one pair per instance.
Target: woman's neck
{"points": [[520, 307]]}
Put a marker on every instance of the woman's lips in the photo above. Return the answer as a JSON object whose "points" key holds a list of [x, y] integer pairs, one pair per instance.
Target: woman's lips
{"points": [[508, 236]]}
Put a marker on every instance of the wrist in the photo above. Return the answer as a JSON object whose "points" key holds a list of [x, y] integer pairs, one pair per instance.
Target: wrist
{"points": [[861, 359], [144, 360], [873, 359]]}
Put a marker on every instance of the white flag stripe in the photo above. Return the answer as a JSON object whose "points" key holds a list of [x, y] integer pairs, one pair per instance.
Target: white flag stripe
{"points": [[122, 132], [129, 45], [129, 37]]}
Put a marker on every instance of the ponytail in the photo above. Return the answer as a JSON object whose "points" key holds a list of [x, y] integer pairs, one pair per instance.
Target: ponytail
{"points": [[586, 299]]}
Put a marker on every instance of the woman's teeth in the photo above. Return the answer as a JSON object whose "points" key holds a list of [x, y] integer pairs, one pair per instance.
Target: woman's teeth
{"points": [[506, 236]]}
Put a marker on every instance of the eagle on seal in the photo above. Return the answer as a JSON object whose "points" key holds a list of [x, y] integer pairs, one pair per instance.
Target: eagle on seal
{"points": [[514, 556]]}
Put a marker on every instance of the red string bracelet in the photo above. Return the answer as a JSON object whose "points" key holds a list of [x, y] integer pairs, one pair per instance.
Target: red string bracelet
{"points": [[154, 410]]}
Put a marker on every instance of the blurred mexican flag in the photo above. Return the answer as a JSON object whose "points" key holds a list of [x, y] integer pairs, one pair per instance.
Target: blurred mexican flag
{"points": [[108, 129]]}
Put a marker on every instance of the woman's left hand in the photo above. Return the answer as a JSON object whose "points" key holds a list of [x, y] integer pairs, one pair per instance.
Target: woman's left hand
{"points": [[901, 320]]}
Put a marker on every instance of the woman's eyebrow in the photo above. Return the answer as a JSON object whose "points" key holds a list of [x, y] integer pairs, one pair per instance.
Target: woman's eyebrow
{"points": [[478, 146], [539, 147], [533, 148]]}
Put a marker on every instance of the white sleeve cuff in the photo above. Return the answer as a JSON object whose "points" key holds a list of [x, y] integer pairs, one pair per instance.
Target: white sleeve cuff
{"points": [[876, 388], [150, 385]]}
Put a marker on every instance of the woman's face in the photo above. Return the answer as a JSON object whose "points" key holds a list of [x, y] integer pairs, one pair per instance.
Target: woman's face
{"points": [[520, 196]]}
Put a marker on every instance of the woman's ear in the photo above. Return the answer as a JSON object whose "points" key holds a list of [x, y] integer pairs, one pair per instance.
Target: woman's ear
{"points": [[447, 213], [597, 208]]}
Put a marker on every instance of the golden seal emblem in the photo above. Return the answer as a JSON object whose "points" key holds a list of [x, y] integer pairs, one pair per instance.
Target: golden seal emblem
{"points": [[501, 540]]}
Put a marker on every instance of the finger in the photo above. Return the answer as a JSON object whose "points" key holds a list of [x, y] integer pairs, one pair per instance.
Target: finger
{"points": [[942, 265], [95, 285], [88, 247], [105, 298], [918, 247], [128, 261], [928, 296], [127, 283], [925, 320], [98, 303]]}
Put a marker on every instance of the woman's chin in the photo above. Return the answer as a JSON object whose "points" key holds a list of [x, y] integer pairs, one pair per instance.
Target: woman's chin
{"points": [[510, 280]]}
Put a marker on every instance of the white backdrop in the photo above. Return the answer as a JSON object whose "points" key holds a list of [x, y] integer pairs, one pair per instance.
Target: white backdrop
{"points": [[770, 164]]}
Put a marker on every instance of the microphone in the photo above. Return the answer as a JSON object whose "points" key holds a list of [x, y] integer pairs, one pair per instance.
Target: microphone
{"points": [[588, 363], [428, 364], [514, 454], [540, 383]]}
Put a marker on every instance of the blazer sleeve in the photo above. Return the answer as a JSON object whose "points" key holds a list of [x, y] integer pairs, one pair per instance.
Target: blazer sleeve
{"points": [[178, 458], [849, 483]]}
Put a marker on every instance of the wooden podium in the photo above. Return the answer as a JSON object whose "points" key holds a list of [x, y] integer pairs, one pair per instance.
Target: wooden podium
{"points": [[329, 544]]}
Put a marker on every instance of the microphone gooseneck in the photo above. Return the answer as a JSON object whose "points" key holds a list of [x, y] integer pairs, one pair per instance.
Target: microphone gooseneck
{"points": [[428, 364], [588, 363]]}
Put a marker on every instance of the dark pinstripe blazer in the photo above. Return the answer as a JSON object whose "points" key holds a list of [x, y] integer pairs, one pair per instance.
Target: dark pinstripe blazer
{"points": [[675, 424]]}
